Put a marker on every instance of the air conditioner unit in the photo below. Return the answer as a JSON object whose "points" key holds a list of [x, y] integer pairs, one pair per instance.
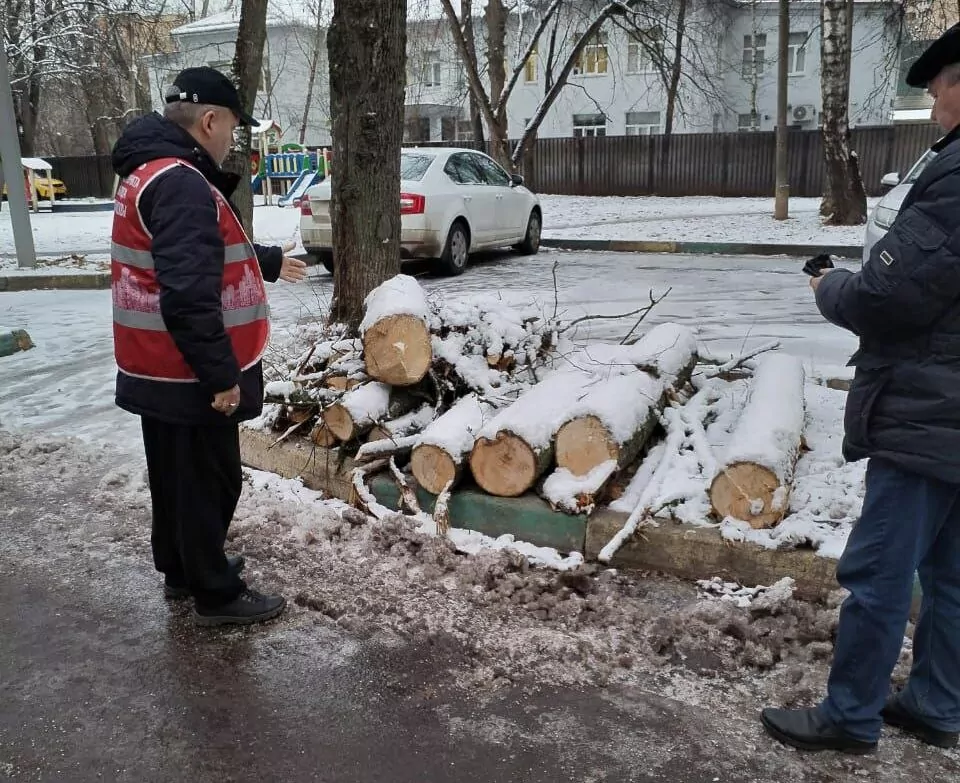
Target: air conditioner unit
{"points": [[803, 114]]}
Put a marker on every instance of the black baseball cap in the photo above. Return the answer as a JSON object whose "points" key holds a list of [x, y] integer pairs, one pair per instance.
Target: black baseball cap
{"points": [[208, 85], [941, 53]]}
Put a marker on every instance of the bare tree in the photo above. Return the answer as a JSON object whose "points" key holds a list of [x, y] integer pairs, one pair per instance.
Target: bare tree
{"points": [[247, 71], [845, 202], [315, 54], [493, 97], [366, 46]]}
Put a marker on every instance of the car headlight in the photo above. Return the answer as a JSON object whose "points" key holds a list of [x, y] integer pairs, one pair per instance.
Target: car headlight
{"points": [[884, 216]]}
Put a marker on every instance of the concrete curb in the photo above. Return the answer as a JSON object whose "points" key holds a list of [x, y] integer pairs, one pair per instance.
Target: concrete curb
{"points": [[14, 342], [683, 551], [81, 282], [704, 248]]}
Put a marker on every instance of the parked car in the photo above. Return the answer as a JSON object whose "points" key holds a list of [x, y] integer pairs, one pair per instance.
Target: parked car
{"points": [[452, 203], [887, 210]]}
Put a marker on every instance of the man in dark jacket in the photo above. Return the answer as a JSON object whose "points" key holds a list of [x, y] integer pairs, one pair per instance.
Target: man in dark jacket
{"points": [[190, 325], [903, 412]]}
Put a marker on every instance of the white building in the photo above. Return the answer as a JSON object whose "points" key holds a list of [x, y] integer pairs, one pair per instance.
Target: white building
{"points": [[617, 87]]}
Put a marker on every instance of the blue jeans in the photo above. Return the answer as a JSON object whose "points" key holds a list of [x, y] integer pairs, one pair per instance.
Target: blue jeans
{"points": [[909, 524]]}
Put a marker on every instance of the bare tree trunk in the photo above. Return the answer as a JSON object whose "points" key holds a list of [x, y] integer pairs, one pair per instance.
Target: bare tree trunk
{"points": [[845, 202], [476, 116], [496, 18], [247, 70], [366, 46], [677, 68], [312, 78]]}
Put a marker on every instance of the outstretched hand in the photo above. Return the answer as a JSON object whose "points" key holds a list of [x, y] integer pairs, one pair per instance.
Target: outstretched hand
{"points": [[292, 270]]}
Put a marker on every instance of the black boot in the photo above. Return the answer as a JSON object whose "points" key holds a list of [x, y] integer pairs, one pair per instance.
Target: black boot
{"points": [[809, 730], [896, 715], [175, 592], [246, 609]]}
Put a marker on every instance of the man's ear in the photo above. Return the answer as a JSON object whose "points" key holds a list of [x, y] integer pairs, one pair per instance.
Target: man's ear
{"points": [[206, 121]]}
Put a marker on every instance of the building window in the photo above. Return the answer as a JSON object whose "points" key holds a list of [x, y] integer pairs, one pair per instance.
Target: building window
{"points": [[593, 59], [432, 70], [465, 130], [589, 125], [754, 54], [643, 123], [530, 69], [797, 54], [645, 51], [749, 122]]}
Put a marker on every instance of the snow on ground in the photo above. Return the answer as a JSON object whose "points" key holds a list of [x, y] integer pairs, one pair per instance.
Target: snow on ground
{"points": [[61, 234]]}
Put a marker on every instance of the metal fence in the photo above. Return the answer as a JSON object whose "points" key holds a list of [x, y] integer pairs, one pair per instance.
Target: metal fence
{"points": [[733, 164]]}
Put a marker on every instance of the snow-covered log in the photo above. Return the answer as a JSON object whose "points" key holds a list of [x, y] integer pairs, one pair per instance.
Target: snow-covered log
{"points": [[515, 448], [439, 454], [409, 424], [614, 421], [362, 408], [577, 494], [396, 334], [755, 473]]}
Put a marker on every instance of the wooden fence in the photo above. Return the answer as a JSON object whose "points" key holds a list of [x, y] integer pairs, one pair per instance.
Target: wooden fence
{"points": [[733, 164]]}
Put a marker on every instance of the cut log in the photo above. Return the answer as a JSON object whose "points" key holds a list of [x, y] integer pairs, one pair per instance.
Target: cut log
{"points": [[755, 474], [322, 437], [397, 344], [577, 494], [616, 419], [516, 447], [444, 446], [409, 424], [362, 408], [342, 382]]}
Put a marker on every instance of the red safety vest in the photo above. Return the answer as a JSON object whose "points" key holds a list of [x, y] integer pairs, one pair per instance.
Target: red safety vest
{"points": [[142, 344]]}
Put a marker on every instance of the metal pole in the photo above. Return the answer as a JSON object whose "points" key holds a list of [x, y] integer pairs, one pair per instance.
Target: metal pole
{"points": [[13, 170], [782, 205]]}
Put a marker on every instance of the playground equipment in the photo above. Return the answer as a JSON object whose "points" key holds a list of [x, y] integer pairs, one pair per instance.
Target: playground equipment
{"points": [[36, 188], [287, 173]]}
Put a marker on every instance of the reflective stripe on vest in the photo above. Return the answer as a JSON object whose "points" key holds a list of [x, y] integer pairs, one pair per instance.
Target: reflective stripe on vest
{"points": [[143, 346]]}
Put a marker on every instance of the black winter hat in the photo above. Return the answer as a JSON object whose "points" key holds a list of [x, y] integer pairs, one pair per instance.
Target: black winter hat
{"points": [[941, 53], [208, 85]]}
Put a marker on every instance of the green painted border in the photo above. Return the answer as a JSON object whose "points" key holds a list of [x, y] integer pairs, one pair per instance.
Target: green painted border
{"points": [[79, 282], [704, 248], [528, 518]]}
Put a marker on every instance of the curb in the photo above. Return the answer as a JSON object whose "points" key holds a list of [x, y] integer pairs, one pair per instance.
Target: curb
{"points": [[704, 248], [81, 282], [683, 551], [15, 341]]}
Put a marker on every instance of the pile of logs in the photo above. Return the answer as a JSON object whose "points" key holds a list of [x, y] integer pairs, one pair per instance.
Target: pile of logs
{"points": [[455, 390]]}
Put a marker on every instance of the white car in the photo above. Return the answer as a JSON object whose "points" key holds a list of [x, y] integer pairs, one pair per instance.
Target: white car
{"points": [[452, 203], [887, 210]]}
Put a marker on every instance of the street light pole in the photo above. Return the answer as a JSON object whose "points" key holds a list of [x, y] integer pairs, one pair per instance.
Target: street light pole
{"points": [[782, 204], [13, 169]]}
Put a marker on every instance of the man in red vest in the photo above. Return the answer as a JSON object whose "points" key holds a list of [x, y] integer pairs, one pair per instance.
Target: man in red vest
{"points": [[191, 323]]}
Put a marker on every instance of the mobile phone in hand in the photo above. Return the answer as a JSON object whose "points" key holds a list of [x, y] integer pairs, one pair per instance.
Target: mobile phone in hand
{"points": [[815, 266]]}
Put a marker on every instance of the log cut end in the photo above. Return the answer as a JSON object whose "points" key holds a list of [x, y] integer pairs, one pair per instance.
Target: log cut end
{"points": [[398, 350], [341, 383], [751, 493], [339, 422], [322, 437], [584, 444], [433, 468], [507, 466]]}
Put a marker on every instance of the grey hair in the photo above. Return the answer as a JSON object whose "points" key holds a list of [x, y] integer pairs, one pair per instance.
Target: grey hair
{"points": [[951, 74], [186, 114]]}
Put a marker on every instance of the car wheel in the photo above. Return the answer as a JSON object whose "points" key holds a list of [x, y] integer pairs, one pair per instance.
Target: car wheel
{"points": [[456, 252], [531, 242], [325, 258]]}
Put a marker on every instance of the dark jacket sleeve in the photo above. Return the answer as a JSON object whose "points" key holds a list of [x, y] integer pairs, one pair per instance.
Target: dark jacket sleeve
{"points": [[188, 252], [271, 261], [913, 275]]}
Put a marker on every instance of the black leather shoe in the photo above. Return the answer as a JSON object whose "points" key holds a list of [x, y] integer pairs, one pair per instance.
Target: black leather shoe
{"points": [[178, 593], [246, 609], [896, 715], [808, 730]]}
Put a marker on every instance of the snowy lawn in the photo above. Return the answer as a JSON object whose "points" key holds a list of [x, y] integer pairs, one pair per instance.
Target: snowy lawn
{"points": [[63, 234]]}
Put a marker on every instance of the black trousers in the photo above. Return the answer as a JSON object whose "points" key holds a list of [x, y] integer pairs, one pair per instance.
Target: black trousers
{"points": [[195, 483]]}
